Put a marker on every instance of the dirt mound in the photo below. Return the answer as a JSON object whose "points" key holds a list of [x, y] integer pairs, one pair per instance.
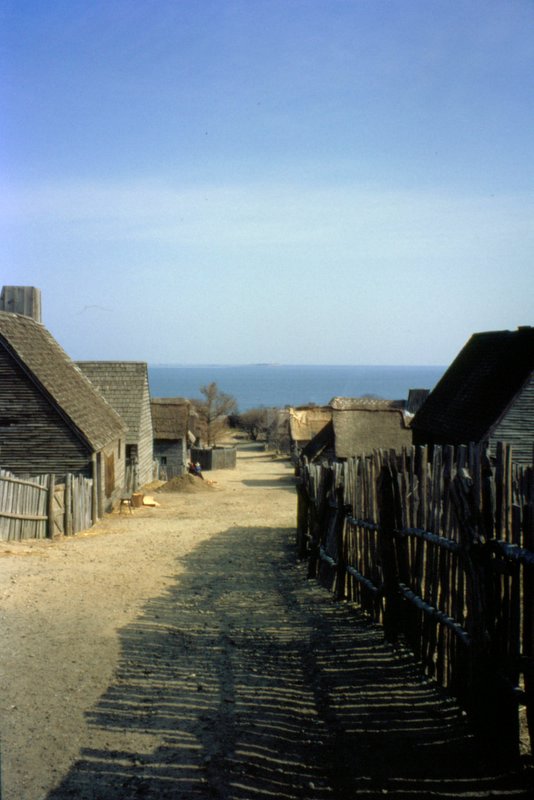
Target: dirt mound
{"points": [[153, 486], [186, 483]]}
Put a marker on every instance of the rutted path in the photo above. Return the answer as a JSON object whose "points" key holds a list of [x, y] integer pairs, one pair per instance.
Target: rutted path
{"points": [[196, 661]]}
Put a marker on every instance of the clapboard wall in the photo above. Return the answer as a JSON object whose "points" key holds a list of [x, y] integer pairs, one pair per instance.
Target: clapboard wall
{"points": [[124, 384], [513, 428]]}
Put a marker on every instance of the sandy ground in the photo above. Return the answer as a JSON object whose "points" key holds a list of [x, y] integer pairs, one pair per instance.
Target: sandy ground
{"points": [[180, 652]]}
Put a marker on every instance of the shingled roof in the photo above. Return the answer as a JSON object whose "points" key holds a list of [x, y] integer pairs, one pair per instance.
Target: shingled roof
{"points": [[58, 377], [170, 417], [124, 384], [478, 387]]}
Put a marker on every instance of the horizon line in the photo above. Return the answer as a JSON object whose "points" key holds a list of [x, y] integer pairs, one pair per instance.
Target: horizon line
{"points": [[266, 364]]}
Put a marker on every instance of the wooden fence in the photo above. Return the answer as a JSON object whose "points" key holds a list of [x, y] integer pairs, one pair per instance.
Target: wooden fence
{"points": [[214, 457], [439, 549], [38, 508]]}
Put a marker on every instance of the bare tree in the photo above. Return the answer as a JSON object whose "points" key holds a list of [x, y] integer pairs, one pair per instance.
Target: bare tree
{"points": [[255, 422], [214, 409]]}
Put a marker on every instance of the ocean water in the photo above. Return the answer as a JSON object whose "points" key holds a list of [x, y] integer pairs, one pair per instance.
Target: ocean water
{"points": [[276, 385]]}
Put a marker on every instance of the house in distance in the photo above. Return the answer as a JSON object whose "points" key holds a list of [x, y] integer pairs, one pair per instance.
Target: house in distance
{"points": [[172, 438], [360, 425], [124, 384]]}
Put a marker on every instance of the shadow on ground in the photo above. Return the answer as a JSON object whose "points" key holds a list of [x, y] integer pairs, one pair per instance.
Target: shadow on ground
{"points": [[244, 681], [283, 482]]}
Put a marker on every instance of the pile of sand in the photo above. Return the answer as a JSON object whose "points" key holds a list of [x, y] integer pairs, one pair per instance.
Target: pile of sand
{"points": [[186, 483], [153, 486]]}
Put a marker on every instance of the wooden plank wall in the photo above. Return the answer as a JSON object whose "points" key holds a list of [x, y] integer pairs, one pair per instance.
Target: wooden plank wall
{"points": [[438, 547], [214, 457], [38, 508]]}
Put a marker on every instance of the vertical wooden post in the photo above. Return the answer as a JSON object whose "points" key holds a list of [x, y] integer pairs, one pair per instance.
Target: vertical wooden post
{"points": [[68, 505], [302, 517], [318, 520], [100, 483], [341, 569], [386, 544], [422, 476], [313, 550], [507, 498], [528, 619], [493, 708], [487, 493], [499, 492], [50, 509], [94, 497]]}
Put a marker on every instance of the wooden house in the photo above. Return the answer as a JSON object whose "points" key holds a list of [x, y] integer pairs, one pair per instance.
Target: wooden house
{"points": [[52, 418], [124, 384], [485, 396], [172, 438], [360, 425]]}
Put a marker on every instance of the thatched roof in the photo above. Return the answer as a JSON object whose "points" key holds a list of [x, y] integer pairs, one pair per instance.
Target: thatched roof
{"points": [[306, 421], [170, 417], [361, 425], [478, 387], [124, 384], [60, 380], [365, 404]]}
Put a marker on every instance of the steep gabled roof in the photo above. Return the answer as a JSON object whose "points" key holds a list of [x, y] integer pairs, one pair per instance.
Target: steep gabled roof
{"points": [[51, 369], [416, 398], [478, 387], [124, 384], [170, 417]]}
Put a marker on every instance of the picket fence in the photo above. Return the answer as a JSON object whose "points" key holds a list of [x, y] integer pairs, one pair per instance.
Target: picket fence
{"points": [[39, 508], [438, 547]]}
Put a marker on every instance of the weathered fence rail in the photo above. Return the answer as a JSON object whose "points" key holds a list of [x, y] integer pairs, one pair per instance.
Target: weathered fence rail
{"points": [[38, 508], [23, 507], [438, 547]]}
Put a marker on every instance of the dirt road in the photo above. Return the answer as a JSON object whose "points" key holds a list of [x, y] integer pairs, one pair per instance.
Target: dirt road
{"points": [[180, 652]]}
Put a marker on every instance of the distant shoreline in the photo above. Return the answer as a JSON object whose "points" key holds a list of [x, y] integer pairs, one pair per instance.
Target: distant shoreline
{"points": [[169, 365], [280, 385]]}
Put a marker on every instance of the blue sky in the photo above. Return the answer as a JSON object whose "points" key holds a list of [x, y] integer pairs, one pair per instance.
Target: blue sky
{"points": [[297, 181]]}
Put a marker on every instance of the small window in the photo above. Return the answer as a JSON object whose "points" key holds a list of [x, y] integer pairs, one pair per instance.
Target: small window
{"points": [[163, 461]]}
